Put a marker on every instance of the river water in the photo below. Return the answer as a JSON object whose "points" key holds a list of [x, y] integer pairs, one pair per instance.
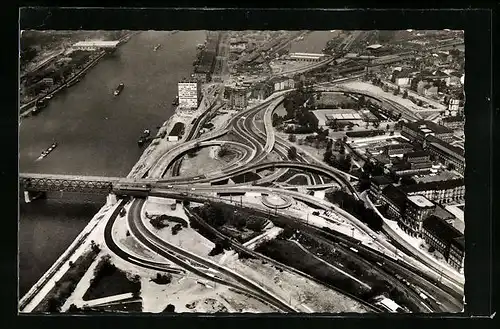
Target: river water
{"points": [[97, 135], [313, 42]]}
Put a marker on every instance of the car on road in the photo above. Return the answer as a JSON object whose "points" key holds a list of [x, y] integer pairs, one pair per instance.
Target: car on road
{"points": [[315, 213], [193, 189], [169, 186]]}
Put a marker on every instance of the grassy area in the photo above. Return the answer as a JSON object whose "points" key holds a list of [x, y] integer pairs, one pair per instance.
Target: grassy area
{"points": [[109, 281], [135, 306], [298, 180], [65, 286], [289, 174], [246, 177], [359, 268], [292, 255]]}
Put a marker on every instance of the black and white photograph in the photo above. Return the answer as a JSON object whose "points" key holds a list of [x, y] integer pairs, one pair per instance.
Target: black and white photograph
{"points": [[241, 171]]}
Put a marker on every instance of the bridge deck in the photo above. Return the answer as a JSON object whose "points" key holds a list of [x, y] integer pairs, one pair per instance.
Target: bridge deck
{"points": [[70, 177]]}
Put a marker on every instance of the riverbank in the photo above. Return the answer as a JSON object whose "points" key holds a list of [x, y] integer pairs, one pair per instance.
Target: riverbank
{"points": [[26, 109], [98, 134]]}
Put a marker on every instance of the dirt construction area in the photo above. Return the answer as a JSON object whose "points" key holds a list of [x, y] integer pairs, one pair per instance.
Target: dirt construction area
{"points": [[303, 294]]}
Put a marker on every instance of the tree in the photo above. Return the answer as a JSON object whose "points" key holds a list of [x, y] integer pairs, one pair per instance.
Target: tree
{"points": [[327, 156], [292, 138], [451, 166], [169, 309], [329, 145], [387, 127], [292, 153], [408, 180]]}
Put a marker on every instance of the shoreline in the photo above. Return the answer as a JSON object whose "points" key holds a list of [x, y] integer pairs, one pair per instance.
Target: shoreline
{"points": [[137, 171], [25, 109]]}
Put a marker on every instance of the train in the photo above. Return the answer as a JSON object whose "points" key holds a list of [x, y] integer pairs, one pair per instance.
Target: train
{"points": [[122, 189]]}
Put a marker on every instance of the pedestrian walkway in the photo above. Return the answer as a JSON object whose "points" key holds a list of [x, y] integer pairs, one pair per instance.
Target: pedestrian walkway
{"points": [[105, 300]]}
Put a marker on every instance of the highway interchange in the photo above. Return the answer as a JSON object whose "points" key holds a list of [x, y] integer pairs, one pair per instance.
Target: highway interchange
{"points": [[253, 147]]}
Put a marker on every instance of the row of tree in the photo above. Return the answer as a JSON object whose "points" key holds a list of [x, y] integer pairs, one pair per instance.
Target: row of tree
{"points": [[356, 208]]}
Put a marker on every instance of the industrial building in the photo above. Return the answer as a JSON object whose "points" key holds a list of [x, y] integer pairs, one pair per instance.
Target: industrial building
{"points": [[176, 132], [95, 45], [238, 97], [446, 153], [189, 92], [418, 207], [420, 130], [445, 239], [307, 57], [441, 192]]}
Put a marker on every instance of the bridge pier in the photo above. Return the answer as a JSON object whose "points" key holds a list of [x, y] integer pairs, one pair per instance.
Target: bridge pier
{"points": [[111, 199], [30, 196]]}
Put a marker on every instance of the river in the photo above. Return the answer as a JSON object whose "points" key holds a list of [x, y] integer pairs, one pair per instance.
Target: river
{"points": [[313, 42], [97, 135]]}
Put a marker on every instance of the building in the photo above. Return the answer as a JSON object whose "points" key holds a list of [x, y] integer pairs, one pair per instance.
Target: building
{"points": [[176, 132], [442, 192], [446, 153], [401, 77], [429, 91], [445, 239], [418, 160], [283, 83], [420, 130], [394, 200], [95, 45], [189, 94], [238, 97], [307, 57], [378, 183], [48, 81], [388, 304], [398, 150], [453, 79], [237, 46], [453, 122], [417, 209]]}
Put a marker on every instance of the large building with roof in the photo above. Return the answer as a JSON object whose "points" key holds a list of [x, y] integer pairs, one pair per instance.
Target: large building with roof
{"points": [[307, 57], [420, 130], [418, 207], [189, 92], [95, 45], [442, 192], [446, 153], [445, 239]]}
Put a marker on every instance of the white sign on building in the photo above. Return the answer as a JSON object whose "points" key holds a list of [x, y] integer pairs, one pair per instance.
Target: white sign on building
{"points": [[188, 94]]}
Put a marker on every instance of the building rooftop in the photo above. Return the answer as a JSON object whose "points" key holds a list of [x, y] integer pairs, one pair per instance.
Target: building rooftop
{"points": [[97, 43], [389, 304], [420, 201], [395, 194], [443, 230], [437, 185], [381, 180], [423, 124], [445, 146], [417, 154], [399, 146], [177, 129], [453, 119]]}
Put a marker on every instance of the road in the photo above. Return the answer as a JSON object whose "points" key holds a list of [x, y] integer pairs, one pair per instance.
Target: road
{"points": [[256, 145], [194, 263]]}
